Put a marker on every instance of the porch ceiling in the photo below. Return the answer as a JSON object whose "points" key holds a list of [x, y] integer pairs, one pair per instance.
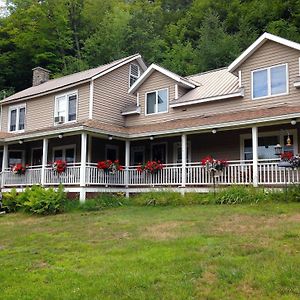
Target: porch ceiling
{"points": [[239, 119]]}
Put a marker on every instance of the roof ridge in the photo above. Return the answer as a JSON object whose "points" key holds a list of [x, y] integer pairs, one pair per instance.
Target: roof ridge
{"points": [[206, 72]]}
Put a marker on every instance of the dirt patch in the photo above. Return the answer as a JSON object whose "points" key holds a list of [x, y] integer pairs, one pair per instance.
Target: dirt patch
{"points": [[163, 231], [206, 283]]}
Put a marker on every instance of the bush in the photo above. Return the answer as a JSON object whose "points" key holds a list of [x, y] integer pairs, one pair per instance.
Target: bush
{"points": [[11, 201], [39, 200]]}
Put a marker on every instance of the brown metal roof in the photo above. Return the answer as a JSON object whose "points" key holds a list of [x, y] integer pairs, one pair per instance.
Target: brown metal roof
{"points": [[66, 80], [213, 83]]}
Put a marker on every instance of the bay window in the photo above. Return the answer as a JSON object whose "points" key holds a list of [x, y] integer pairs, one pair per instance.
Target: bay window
{"points": [[66, 108], [16, 118], [156, 102], [268, 82]]}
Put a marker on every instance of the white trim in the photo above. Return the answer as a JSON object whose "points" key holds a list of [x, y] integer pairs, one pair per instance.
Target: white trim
{"points": [[176, 91], [67, 95], [137, 57], [255, 155], [133, 112], [297, 84], [154, 67], [17, 108], [240, 78], [160, 143], [299, 66], [279, 133], [258, 43], [1, 117], [112, 147], [156, 102], [214, 98], [91, 99], [269, 79], [31, 155], [64, 148], [132, 75], [83, 157], [138, 99]]}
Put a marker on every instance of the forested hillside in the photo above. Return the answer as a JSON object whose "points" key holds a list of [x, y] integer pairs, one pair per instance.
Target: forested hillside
{"points": [[186, 36]]}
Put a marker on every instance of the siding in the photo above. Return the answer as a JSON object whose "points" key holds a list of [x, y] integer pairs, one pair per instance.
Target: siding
{"points": [[269, 54], [111, 95], [40, 111]]}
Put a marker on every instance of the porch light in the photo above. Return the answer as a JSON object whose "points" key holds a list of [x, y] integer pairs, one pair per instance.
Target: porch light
{"points": [[214, 131], [20, 142], [151, 138], [278, 149], [293, 122], [110, 137], [60, 136]]}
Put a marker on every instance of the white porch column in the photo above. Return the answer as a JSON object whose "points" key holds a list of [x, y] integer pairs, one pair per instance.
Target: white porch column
{"points": [[183, 158], [127, 164], [83, 167], [4, 163], [255, 155], [44, 161]]}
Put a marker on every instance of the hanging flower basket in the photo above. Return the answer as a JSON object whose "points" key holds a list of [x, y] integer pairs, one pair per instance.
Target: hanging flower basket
{"points": [[109, 166], [19, 169], [214, 165], [288, 160], [59, 166], [151, 167]]}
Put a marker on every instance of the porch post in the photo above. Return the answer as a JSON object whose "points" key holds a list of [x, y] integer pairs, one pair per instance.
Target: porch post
{"points": [[255, 155], [44, 161], [83, 167], [183, 158], [4, 163], [127, 163]]}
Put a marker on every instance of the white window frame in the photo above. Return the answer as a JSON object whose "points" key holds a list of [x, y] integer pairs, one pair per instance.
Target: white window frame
{"points": [[162, 143], [137, 149], [67, 95], [64, 148], [280, 134], [269, 82], [156, 112], [131, 75], [17, 108], [176, 146], [112, 147]]}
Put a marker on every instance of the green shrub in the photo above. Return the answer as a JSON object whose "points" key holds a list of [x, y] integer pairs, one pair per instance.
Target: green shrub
{"points": [[39, 200], [240, 195], [11, 201]]}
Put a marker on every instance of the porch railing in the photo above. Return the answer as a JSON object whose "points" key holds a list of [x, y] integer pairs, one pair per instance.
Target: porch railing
{"points": [[237, 172]]}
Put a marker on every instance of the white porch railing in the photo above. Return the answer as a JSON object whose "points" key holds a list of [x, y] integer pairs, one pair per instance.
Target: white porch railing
{"points": [[237, 172]]}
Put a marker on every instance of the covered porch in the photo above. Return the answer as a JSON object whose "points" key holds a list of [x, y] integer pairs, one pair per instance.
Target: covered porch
{"points": [[250, 153]]}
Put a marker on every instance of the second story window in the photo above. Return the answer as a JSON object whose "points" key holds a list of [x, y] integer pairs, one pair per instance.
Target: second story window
{"points": [[156, 102], [134, 74], [16, 118], [270, 82], [65, 108]]}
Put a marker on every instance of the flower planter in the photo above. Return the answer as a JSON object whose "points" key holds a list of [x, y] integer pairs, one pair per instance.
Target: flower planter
{"points": [[285, 164]]}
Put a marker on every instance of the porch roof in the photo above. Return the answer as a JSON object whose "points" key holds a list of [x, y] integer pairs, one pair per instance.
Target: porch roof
{"points": [[203, 122]]}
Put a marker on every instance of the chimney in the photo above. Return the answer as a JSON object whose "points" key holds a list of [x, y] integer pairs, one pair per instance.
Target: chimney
{"points": [[40, 75]]}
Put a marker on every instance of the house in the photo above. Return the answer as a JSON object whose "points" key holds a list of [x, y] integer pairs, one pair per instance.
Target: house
{"points": [[126, 111]]}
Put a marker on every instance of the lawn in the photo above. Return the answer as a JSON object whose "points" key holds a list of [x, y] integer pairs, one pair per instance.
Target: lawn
{"points": [[190, 252]]}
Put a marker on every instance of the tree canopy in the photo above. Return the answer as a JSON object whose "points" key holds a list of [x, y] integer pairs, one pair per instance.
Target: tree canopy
{"points": [[185, 36]]}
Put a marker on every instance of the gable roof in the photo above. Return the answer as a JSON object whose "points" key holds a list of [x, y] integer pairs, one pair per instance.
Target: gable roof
{"points": [[257, 44], [73, 79], [213, 85], [153, 67]]}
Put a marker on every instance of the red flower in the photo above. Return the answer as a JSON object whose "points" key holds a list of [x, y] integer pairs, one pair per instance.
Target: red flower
{"points": [[286, 156], [59, 166]]}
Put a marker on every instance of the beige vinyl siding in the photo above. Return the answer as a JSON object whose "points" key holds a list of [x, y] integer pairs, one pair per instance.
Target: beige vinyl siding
{"points": [[181, 91], [111, 95], [40, 111], [269, 54]]}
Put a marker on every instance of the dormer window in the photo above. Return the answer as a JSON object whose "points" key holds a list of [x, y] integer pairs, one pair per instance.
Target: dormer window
{"points": [[270, 82], [65, 108], [156, 102], [16, 118], [134, 74]]}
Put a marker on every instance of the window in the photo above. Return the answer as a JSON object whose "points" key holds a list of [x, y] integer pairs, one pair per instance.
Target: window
{"points": [[137, 155], [111, 152], [15, 157], [66, 108], [159, 152], [16, 118], [178, 152], [66, 153], [157, 102], [36, 156], [134, 74], [269, 82]]}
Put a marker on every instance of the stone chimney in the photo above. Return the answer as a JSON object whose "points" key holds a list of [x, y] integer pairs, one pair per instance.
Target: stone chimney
{"points": [[40, 75]]}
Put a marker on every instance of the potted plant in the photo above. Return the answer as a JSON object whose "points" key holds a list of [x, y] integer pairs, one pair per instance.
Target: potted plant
{"points": [[109, 166], [59, 166], [150, 167], [19, 169]]}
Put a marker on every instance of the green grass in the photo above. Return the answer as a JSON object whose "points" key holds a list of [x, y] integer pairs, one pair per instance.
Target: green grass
{"points": [[185, 252]]}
